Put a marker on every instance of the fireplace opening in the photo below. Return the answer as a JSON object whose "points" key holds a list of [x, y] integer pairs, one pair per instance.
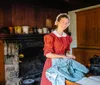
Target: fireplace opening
{"points": [[32, 63], [33, 60]]}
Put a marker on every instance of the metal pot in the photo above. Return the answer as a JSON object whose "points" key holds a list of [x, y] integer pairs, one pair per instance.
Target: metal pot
{"points": [[27, 82]]}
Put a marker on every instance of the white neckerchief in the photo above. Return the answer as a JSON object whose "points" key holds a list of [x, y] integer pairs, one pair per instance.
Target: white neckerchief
{"points": [[63, 35]]}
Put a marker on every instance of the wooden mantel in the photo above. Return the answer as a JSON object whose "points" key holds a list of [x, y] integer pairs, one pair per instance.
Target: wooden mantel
{"points": [[21, 36]]}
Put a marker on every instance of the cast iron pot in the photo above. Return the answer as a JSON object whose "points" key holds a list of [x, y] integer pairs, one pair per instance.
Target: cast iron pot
{"points": [[27, 82]]}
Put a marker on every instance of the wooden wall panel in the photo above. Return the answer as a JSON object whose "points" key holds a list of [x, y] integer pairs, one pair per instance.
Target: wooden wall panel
{"points": [[7, 15], [23, 15], [41, 17], [18, 14], [30, 16], [2, 72], [1, 17]]}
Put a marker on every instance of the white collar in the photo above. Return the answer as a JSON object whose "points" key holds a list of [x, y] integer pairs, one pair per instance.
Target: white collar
{"points": [[63, 35]]}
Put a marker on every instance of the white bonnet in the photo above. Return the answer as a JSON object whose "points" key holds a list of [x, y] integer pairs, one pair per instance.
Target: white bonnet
{"points": [[61, 15]]}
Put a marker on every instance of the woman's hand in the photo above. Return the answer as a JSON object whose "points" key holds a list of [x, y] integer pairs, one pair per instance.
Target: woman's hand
{"points": [[70, 56]]}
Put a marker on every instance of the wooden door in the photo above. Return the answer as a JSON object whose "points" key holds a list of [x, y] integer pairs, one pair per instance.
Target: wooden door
{"points": [[81, 29], [91, 29], [98, 25], [88, 28]]}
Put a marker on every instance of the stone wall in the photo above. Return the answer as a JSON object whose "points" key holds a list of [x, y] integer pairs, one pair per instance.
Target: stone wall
{"points": [[11, 63]]}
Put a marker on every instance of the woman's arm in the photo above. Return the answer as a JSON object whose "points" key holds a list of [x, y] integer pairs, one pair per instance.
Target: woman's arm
{"points": [[53, 55]]}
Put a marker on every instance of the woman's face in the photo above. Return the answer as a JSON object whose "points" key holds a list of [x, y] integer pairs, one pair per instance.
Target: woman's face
{"points": [[63, 23]]}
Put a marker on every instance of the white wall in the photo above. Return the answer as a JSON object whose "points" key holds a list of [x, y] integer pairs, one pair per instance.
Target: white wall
{"points": [[72, 27]]}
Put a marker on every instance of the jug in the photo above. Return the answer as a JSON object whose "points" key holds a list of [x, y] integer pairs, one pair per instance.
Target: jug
{"points": [[25, 29], [18, 29]]}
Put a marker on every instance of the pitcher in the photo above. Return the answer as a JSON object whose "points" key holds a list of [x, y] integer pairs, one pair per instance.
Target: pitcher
{"points": [[25, 29]]}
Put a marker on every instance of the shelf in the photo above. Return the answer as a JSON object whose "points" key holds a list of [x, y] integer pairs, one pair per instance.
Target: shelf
{"points": [[21, 36]]}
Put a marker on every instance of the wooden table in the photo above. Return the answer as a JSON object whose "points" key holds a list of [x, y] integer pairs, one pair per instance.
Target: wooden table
{"points": [[71, 83]]}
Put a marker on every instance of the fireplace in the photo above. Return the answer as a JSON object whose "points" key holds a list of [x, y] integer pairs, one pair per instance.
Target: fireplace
{"points": [[23, 68]]}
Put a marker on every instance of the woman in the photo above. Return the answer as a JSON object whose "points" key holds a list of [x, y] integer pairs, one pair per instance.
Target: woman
{"points": [[56, 44]]}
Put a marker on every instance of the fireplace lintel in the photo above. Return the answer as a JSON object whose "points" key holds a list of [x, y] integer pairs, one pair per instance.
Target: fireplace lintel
{"points": [[21, 36]]}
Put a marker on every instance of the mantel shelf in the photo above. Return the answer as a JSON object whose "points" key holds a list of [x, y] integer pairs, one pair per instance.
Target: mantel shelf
{"points": [[21, 36]]}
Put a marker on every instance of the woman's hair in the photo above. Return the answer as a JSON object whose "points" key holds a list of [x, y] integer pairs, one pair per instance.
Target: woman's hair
{"points": [[62, 15]]}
